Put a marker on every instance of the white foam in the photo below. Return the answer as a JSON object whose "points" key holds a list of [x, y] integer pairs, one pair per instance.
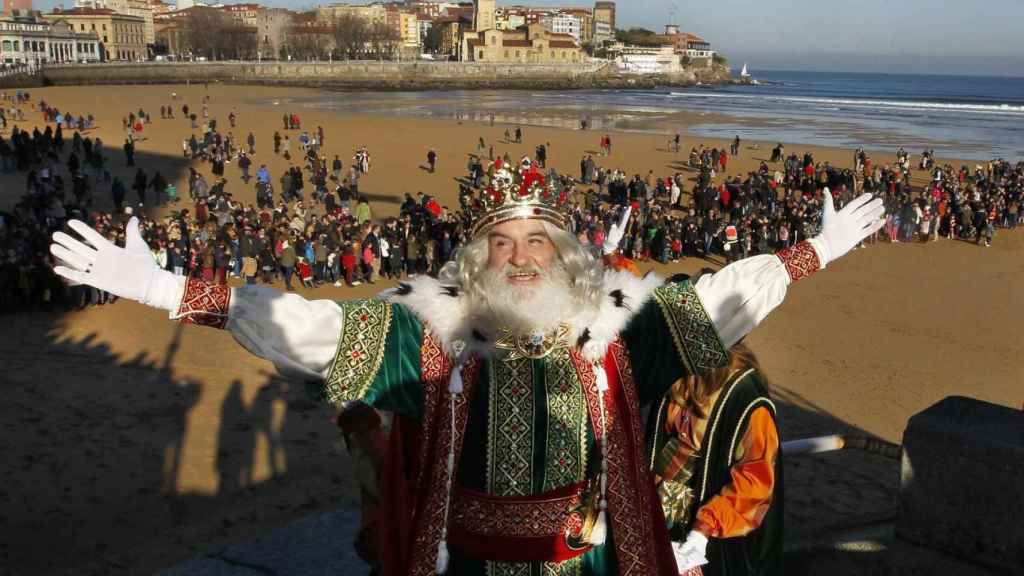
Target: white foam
{"points": [[1002, 109]]}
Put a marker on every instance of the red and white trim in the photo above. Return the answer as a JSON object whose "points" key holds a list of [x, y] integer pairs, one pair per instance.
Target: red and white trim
{"points": [[800, 261], [204, 304]]}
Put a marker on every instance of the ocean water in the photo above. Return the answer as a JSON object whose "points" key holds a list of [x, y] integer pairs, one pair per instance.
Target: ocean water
{"points": [[976, 118]]}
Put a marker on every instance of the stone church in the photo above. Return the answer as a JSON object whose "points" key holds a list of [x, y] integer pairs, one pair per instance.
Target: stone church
{"points": [[531, 43]]}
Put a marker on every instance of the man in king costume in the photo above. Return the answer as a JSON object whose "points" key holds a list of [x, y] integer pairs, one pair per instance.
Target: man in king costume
{"points": [[524, 369]]}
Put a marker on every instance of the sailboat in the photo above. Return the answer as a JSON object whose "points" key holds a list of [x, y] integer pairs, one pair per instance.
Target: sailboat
{"points": [[746, 78]]}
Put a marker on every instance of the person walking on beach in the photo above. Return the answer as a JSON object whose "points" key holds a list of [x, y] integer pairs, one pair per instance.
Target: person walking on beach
{"points": [[735, 148], [432, 159], [129, 152], [519, 135]]}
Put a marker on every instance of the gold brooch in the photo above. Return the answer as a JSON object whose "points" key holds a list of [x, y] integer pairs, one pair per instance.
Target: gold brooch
{"points": [[535, 345]]}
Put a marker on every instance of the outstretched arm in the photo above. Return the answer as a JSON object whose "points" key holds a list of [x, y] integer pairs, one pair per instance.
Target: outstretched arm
{"points": [[738, 297], [299, 336]]}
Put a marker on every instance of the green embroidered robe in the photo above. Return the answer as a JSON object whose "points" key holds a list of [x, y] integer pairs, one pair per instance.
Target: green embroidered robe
{"points": [[527, 430]]}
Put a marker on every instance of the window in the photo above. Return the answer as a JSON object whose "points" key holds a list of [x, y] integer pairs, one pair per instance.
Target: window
{"points": [[7, 45], [104, 27], [506, 54], [481, 55], [552, 54], [494, 40], [93, 26], [17, 47], [517, 53]]}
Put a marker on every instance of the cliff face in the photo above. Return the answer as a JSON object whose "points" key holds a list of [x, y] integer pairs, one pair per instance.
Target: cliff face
{"points": [[378, 75]]}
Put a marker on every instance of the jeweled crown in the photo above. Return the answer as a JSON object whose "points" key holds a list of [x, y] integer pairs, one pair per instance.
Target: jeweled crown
{"points": [[507, 199]]}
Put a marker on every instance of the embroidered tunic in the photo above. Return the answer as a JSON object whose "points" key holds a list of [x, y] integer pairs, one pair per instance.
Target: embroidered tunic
{"points": [[524, 427]]}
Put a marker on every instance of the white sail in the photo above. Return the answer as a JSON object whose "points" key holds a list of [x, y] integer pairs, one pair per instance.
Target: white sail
{"points": [[744, 73]]}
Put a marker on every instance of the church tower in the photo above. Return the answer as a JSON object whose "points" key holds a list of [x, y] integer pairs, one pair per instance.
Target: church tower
{"points": [[483, 15]]}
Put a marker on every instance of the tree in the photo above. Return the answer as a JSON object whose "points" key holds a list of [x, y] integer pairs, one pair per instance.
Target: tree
{"points": [[638, 37], [383, 39], [719, 59], [434, 41], [215, 35], [350, 35]]}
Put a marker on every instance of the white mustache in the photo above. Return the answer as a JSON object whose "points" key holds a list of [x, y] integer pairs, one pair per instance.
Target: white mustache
{"points": [[512, 271]]}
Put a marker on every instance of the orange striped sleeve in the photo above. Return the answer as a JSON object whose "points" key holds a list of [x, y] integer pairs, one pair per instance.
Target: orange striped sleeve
{"points": [[741, 505]]}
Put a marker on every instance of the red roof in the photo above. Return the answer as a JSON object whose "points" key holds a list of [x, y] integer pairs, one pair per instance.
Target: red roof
{"points": [[84, 11], [562, 44], [516, 43]]}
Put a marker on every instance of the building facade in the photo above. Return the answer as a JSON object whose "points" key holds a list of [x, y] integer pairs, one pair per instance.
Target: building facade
{"points": [[373, 14], [140, 8], [27, 39], [561, 23], [121, 36], [532, 42], [604, 22]]}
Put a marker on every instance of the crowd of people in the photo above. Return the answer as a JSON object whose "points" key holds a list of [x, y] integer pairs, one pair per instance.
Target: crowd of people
{"points": [[329, 235]]}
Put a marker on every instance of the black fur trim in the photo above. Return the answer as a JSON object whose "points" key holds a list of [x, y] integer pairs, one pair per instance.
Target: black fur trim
{"points": [[678, 279], [478, 336], [620, 299], [452, 291], [583, 339], [404, 289]]}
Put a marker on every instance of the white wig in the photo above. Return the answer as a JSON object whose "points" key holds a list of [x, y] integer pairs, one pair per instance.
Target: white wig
{"points": [[586, 273]]}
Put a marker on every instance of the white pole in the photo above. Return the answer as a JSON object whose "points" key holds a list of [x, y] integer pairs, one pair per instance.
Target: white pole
{"points": [[813, 445]]}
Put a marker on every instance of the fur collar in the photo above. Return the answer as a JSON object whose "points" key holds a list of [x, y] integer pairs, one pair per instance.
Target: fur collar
{"points": [[444, 313]]}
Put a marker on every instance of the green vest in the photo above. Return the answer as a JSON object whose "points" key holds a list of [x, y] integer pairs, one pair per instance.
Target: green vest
{"points": [[760, 552]]}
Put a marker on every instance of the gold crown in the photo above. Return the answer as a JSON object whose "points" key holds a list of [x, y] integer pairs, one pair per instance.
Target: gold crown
{"points": [[506, 200]]}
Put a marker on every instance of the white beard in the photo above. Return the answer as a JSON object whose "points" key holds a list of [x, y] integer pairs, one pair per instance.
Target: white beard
{"points": [[524, 309]]}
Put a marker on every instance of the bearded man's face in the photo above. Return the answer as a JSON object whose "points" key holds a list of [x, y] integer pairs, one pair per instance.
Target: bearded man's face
{"points": [[521, 249], [525, 286]]}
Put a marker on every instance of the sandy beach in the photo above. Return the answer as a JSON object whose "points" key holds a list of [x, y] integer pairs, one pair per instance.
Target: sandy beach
{"points": [[132, 443]]}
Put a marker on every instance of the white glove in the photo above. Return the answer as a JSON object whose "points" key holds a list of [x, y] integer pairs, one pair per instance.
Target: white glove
{"points": [[691, 553], [128, 272], [616, 232], [841, 231]]}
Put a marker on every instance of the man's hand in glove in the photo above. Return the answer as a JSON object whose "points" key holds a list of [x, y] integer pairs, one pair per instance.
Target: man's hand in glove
{"points": [[841, 231], [692, 553], [128, 272], [616, 232]]}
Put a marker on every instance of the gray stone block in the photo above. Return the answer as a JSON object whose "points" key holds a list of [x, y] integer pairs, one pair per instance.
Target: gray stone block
{"points": [[311, 546], [962, 482]]}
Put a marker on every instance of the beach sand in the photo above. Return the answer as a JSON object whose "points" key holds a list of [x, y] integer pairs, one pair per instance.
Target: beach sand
{"points": [[132, 443]]}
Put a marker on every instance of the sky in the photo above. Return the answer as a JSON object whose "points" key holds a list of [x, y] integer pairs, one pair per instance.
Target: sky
{"points": [[897, 36]]}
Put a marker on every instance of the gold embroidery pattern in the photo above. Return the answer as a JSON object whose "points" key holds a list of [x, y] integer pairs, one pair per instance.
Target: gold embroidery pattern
{"points": [[436, 368], [634, 523], [566, 449], [573, 567], [691, 327], [503, 569], [364, 333], [490, 517], [510, 430]]}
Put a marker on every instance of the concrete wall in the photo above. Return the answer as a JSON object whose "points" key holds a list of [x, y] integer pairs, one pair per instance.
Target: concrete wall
{"points": [[358, 74]]}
